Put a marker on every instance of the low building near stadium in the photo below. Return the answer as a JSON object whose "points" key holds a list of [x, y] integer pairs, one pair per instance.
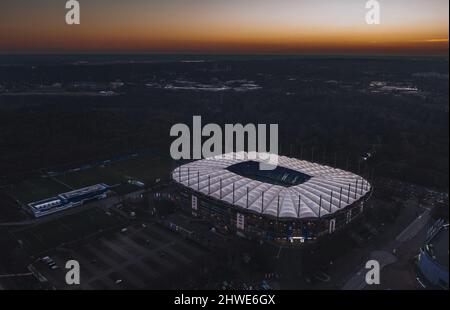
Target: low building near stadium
{"points": [[68, 200]]}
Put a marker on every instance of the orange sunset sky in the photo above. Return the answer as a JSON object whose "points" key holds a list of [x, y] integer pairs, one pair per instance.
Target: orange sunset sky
{"points": [[226, 26]]}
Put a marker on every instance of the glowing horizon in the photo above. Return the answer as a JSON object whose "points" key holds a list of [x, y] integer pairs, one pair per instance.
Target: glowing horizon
{"points": [[227, 26]]}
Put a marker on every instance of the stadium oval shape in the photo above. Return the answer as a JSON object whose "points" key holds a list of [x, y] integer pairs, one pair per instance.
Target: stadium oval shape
{"points": [[296, 192]]}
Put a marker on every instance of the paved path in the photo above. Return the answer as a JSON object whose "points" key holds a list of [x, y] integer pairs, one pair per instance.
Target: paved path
{"points": [[385, 257], [358, 281], [413, 229]]}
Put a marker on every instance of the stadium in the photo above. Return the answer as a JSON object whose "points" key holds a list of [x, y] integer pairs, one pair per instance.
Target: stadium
{"points": [[297, 202]]}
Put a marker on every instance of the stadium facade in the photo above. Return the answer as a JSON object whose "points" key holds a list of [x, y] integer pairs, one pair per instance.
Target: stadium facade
{"points": [[68, 200], [295, 203]]}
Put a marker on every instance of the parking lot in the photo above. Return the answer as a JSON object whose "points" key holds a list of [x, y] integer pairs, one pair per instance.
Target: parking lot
{"points": [[141, 256]]}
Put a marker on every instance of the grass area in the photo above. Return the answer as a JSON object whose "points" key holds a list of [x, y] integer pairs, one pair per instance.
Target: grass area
{"points": [[36, 189], [91, 176], [10, 210], [144, 168], [125, 189]]}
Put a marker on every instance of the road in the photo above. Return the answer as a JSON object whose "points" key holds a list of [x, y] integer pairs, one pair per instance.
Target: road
{"points": [[387, 255]]}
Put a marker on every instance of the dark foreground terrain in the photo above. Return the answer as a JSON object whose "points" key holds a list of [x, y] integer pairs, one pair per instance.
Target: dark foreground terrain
{"points": [[67, 122]]}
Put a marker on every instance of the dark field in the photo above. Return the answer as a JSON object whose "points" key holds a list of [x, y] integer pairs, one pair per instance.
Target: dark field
{"points": [[146, 168]]}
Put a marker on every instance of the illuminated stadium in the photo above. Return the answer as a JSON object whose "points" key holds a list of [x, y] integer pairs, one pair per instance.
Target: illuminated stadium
{"points": [[296, 202]]}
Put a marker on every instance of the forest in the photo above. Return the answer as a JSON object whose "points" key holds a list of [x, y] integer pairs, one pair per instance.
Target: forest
{"points": [[327, 109]]}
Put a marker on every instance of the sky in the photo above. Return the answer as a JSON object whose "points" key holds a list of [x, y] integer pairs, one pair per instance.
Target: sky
{"points": [[407, 27]]}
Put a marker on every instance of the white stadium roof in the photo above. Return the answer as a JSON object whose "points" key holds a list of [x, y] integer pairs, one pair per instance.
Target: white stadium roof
{"points": [[320, 186]]}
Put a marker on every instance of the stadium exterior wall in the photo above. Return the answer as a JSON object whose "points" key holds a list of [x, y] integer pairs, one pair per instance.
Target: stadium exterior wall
{"points": [[228, 218]]}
